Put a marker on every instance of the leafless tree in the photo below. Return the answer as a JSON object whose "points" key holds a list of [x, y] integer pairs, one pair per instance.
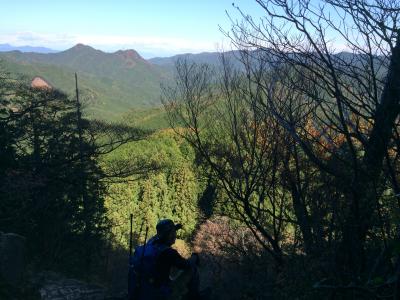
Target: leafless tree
{"points": [[215, 112], [348, 101], [304, 134]]}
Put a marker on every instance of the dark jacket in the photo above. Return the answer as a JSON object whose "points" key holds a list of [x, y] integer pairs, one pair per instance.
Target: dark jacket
{"points": [[167, 259]]}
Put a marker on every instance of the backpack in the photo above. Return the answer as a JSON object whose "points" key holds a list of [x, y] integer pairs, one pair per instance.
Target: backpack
{"points": [[142, 271]]}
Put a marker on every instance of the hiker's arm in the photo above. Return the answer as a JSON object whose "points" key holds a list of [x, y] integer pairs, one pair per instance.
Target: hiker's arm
{"points": [[178, 261]]}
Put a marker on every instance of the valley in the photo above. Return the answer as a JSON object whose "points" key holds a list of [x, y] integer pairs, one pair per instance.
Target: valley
{"points": [[111, 84]]}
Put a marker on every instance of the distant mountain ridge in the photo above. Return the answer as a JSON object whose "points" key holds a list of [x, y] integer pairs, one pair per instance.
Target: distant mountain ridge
{"points": [[113, 83], [212, 58], [8, 47], [203, 57]]}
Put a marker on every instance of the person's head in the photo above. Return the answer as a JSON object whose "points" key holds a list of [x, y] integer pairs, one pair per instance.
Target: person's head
{"points": [[166, 231]]}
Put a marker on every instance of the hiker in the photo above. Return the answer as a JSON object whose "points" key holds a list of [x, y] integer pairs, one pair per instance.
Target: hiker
{"points": [[153, 262]]}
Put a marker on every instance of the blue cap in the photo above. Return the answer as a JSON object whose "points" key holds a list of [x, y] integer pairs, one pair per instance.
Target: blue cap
{"points": [[165, 226]]}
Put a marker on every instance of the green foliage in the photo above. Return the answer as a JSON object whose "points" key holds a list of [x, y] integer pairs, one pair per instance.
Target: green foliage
{"points": [[149, 118], [111, 83], [170, 192]]}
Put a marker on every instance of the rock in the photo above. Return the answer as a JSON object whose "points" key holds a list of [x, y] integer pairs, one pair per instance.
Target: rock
{"points": [[54, 286], [12, 257]]}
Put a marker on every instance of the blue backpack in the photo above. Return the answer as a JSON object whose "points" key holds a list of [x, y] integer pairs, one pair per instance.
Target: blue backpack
{"points": [[142, 272]]}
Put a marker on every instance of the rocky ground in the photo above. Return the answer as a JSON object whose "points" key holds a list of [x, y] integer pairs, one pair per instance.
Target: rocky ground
{"points": [[53, 286], [16, 283]]}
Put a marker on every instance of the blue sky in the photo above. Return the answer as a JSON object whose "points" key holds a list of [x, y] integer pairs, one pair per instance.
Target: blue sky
{"points": [[152, 27]]}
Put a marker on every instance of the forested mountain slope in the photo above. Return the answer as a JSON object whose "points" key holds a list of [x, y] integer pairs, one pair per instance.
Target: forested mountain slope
{"points": [[111, 83]]}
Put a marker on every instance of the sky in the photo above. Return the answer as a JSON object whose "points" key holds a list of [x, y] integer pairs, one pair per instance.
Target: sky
{"points": [[152, 27]]}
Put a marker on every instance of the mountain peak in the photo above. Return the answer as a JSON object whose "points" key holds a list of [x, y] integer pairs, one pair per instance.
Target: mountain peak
{"points": [[129, 54], [130, 57], [80, 47]]}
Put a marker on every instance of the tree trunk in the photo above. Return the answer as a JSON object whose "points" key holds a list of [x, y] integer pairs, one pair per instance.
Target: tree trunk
{"points": [[363, 198]]}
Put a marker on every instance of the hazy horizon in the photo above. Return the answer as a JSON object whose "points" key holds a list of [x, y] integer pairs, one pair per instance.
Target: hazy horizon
{"points": [[154, 29], [145, 55]]}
